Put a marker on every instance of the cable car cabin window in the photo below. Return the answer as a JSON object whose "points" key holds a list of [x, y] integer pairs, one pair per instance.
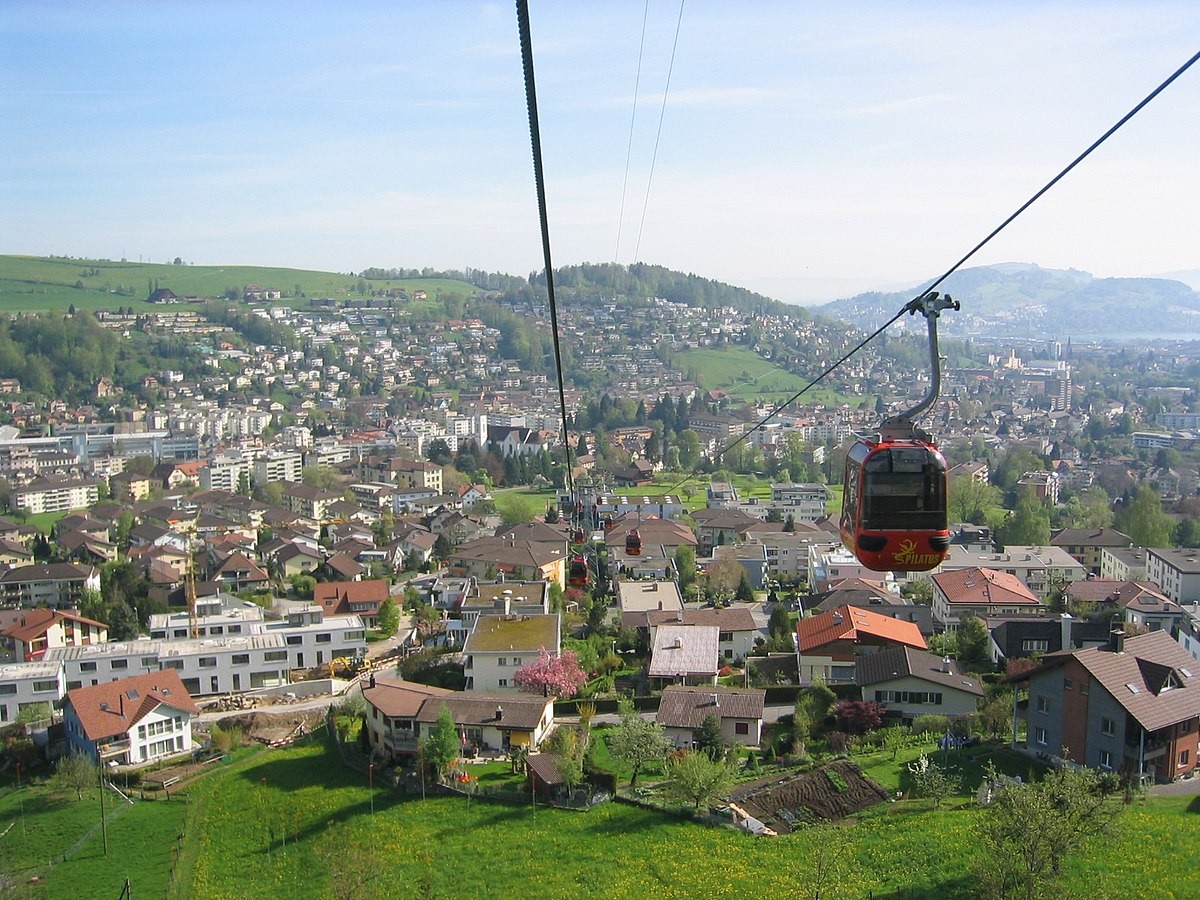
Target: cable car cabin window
{"points": [[904, 488]]}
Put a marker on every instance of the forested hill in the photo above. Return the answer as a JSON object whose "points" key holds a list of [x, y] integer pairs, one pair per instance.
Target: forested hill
{"points": [[595, 281]]}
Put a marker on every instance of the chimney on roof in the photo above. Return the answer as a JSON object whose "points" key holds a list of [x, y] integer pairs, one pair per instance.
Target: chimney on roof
{"points": [[499, 712], [716, 701], [1064, 623], [1116, 640], [372, 683], [945, 665], [679, 615], [660, 606], [837, 618]]}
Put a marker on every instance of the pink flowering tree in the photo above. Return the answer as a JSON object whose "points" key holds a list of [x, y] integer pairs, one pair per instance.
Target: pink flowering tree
{"points": [[552, 676]]}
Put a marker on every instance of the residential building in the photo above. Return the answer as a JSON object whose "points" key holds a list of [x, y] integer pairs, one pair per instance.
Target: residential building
{"points": [[682, 711], [278, 466], [1132, 705], [912, 683], [978, 592], [358, 598], [1022, 636], [1176, 571], [37, 630], [831, 562], [1123, 564], [46, 495], [29, 684], [736, 630], [1087, 545], [685, 654], [639, 597], [226, 665], [829, 644], [133, 721], [803, 502], [56, 585], [400, 714], [1040, 569], [500, 645]]}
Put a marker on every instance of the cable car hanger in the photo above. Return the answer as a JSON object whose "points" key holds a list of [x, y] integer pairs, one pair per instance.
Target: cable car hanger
{"points": [[902, 426]]}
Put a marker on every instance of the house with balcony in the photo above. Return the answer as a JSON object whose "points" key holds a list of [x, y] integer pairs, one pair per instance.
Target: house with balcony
{"points": [[400, 714], [736, 629], [133, 721], [1132, 705], [55, 585], [37, 630], [684, 654]]}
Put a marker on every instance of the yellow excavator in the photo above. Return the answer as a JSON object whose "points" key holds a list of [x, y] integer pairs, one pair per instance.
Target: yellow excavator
{"points": [[346, 666]]}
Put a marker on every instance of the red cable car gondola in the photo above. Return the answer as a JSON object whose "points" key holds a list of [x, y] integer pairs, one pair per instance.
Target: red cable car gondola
{"points": [[577, 575], [633, 543], [577, 536], [894, 505]]}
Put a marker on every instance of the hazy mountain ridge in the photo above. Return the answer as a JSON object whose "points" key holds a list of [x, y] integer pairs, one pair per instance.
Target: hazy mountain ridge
{"points": [[1024, 300]]}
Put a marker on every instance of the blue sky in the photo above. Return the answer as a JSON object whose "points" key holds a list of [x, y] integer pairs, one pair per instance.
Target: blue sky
{"points": [[808, 150]]}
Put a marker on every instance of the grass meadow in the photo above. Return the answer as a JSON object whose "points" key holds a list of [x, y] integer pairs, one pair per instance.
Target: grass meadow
{"points": [[38, 826], [34, 283], [747, 377], [295, 823]]}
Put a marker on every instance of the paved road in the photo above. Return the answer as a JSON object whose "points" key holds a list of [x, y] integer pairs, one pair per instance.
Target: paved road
{"points": [[1187, 788]]}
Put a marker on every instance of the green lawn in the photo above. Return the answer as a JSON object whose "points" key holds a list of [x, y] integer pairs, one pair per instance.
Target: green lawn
{"points": [[523, 504], [38, 827], [269, 828]]}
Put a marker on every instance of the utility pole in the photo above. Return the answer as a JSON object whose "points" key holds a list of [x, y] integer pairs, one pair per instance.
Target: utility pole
{"points": [[103, 824]]}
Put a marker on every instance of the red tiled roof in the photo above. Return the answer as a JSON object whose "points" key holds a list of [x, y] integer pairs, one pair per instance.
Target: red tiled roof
{"points": [[854, 624], [336, 596], [982, 585], [37, 622], [114, 708]]}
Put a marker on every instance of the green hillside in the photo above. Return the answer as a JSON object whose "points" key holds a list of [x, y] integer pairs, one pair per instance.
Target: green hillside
{"points": [[747, 377], [31, 283]]}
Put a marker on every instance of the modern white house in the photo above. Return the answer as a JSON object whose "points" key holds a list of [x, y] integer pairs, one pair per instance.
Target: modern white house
{"points": [[26, 684], [208, 666], [133, 721]]}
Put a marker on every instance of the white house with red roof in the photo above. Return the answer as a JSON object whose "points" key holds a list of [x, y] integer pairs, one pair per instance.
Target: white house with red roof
{"points": [[132, 721], [828, 645], [979, 592]]}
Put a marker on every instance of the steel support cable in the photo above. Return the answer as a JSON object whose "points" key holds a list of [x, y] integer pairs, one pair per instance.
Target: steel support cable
{"points": [[662, 113], [911, 305], [535, 138], [637, 81]]}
